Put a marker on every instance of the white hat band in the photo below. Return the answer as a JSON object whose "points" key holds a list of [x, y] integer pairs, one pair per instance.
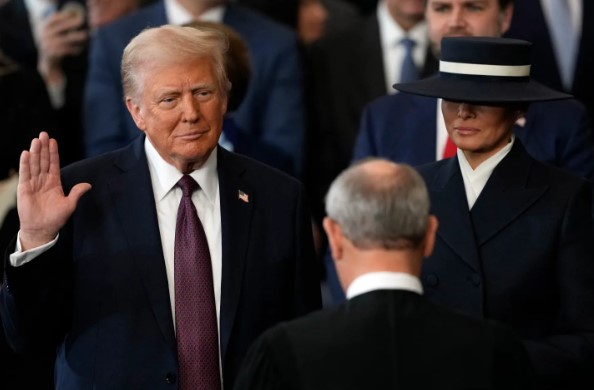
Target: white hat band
{"points": [[485, 70]]}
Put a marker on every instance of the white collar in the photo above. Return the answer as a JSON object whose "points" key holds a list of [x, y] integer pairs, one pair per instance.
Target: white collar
{"points": [[476, 179], [391, 33], [384, 281], [178, 15], [165, 176]]}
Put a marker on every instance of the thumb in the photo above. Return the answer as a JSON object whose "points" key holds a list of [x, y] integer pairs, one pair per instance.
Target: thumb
{"points": [[77, 191]]}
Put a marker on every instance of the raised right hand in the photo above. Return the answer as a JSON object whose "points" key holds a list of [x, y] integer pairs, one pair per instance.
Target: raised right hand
{"points": [[42, 206]]}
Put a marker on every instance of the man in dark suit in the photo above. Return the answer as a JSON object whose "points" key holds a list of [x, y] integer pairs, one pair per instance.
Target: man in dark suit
{"points": [[531, 24], [348, 70], [409, 128], [55, 46], [387, 336], [515, 239], [95, 277], [273, 109]]}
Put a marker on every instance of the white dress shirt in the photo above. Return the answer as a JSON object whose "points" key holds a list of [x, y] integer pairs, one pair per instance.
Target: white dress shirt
{"points": [[384, 281], [392, 51], [178, 15], [164, 178], [476, 179]]}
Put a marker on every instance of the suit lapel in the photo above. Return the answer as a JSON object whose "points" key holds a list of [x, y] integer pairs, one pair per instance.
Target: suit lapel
{"points": [[128, 191], [505, 196], [448, 202], [236, 216]]}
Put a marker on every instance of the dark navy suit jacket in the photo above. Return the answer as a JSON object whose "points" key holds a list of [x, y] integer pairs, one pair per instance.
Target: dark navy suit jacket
{"points": [[101, 293], [528, 23], [523, 255], [272, 110]]}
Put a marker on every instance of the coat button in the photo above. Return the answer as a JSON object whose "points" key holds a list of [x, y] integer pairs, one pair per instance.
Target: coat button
{"points": [[170, 378], [432, 280]]}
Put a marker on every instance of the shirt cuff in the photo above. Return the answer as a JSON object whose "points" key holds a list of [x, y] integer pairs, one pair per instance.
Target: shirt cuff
{"points": [[19, 257]]}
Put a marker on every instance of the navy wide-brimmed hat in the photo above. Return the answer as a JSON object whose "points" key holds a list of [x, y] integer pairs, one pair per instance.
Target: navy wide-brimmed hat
{"points": [[483, 70]]}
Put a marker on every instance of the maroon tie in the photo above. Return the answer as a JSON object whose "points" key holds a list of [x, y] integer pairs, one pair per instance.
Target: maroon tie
{"points": [[450, 148], [195, 312]]}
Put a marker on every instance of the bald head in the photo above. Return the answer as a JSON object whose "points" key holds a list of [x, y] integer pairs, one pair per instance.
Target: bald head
{"points": [[380, 204]]}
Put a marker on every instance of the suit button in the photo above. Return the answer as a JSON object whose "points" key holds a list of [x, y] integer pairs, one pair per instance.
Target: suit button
{"points": [[170, 378], [432, 280], [475, 279]]}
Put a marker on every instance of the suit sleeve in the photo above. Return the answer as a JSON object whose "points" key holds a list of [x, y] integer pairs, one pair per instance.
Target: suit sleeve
{"points": [[34, 301]]}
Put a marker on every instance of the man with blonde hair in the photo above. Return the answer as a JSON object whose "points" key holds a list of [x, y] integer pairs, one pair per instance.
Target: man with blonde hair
{"points": [[177, 256]]}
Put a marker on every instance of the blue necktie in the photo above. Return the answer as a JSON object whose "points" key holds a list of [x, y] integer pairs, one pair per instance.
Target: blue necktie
{"points": [[408, 70], [564, 40]]}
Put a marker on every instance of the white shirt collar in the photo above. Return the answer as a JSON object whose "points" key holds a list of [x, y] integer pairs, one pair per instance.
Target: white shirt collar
{"points": [[178, 15], [391, 33], [384, 281], [165, 176], [476, 179], [392, 51]]}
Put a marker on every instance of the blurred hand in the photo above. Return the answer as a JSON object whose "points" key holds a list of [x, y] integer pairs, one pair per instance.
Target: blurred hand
{"points": [[61, 36], [42, 206]]}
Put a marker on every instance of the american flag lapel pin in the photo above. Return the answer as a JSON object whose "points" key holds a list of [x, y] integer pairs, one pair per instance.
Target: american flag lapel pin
{"points": [[243, 196]]}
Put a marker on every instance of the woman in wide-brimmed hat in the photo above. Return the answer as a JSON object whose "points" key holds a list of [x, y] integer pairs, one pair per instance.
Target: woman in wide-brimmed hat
{"points": [[515, 237]]}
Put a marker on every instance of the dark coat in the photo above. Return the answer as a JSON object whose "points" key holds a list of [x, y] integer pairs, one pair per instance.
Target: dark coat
{"points": [[386, 339]]}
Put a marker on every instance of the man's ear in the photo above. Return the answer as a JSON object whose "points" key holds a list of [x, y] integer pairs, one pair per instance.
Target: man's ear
{"points": [[136, 112], [335, 238], [505, 17], [429, 240]]}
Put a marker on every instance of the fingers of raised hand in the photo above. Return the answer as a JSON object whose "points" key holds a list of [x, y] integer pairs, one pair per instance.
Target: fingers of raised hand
{"points": [[41, 159]]}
